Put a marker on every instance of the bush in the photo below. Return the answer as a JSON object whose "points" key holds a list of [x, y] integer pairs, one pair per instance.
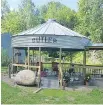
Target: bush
{"points": [[5, 60], [87, 77]]}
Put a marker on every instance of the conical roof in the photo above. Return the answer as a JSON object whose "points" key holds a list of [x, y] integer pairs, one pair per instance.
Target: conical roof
{"points": [[51, 27]]}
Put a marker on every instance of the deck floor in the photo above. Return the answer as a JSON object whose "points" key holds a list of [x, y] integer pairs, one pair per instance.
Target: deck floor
{"points": [[50, 82]]}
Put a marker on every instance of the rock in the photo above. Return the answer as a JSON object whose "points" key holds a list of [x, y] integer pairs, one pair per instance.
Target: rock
{"points": [[25, 77]]}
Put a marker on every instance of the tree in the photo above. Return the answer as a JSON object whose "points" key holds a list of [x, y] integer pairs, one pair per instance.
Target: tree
{"points": [[67, 17], [90, 17], [28, 14], [12, 23], [60, 12], [52, 9], [19, 20], [4, 8], [5, 60]]}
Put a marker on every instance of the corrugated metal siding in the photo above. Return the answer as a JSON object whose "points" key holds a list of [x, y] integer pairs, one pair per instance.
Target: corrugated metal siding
{"points": [[62, 41]]}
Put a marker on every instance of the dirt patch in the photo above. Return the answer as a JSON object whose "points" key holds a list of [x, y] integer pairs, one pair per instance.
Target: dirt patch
{"points": [[5, 78]]}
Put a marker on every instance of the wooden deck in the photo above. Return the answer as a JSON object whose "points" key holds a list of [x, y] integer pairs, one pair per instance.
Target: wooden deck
{"points": [[50, 82], [53, 82]]}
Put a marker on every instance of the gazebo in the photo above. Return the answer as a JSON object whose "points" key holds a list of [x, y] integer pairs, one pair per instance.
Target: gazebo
{"points": [[50, 35]]}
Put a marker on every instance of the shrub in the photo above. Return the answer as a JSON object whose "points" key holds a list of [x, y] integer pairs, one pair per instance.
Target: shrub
{"points": [[5, 60]]}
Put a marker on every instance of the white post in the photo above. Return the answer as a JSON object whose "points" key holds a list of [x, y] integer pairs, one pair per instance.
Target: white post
{"points": [[39, 71], [84, 63], [28, 59], [60, 68], [13, 52]]}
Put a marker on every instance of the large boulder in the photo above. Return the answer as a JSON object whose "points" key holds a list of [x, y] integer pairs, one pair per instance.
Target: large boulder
{"points": [[25, 77]]}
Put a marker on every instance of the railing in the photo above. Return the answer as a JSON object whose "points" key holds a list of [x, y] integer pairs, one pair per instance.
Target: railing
{"points": [[95, 71]]}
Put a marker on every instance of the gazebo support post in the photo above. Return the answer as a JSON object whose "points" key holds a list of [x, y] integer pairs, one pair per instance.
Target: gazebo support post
{"points": [[25, 58], [33, 56], [84, 63], [28, 58], [11, 69], [60, 68], [17, 59], [13, 53], [39, 71]]}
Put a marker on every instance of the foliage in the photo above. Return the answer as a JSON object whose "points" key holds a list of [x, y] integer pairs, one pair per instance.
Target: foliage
{"points": [[5, 60], [100, 57], [28, 14], [60, 12], [95, 57], [90, 17], [12, 23], [87, 77], [16, 95], [4, 8], [18, 20], [78, 57], [4, 69]]}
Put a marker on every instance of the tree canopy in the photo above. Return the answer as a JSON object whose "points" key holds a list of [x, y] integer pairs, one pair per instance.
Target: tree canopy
{"points": [[4, 8], [28, 16], [22, 19], [60, 12], [90, 17]]}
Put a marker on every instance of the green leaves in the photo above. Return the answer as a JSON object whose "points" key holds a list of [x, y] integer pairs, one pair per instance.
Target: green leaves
{"points": [[90, 17], [4, 8], [21, 19], [60, 12], [28, 14], [12, 23], [5, 60]]}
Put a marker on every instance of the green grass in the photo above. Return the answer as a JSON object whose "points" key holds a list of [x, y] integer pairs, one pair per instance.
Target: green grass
{"points": [[16, 95]]}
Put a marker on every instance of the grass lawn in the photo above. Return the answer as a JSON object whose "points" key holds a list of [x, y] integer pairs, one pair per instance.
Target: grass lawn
{"points": [[16, 95]]}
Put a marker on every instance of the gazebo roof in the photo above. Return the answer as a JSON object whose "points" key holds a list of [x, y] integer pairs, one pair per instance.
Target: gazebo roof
{"points": [[50, 35], [51, 27]]}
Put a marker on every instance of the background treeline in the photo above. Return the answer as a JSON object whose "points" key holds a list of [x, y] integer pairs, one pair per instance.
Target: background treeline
{"points": [[88, 20]]}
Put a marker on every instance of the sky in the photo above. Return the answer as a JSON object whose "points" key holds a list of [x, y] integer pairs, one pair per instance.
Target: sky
{"points": [[70, 3]]}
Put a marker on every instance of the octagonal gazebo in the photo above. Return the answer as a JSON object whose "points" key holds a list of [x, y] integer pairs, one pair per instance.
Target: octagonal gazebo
{"points": [[50, 35]]}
